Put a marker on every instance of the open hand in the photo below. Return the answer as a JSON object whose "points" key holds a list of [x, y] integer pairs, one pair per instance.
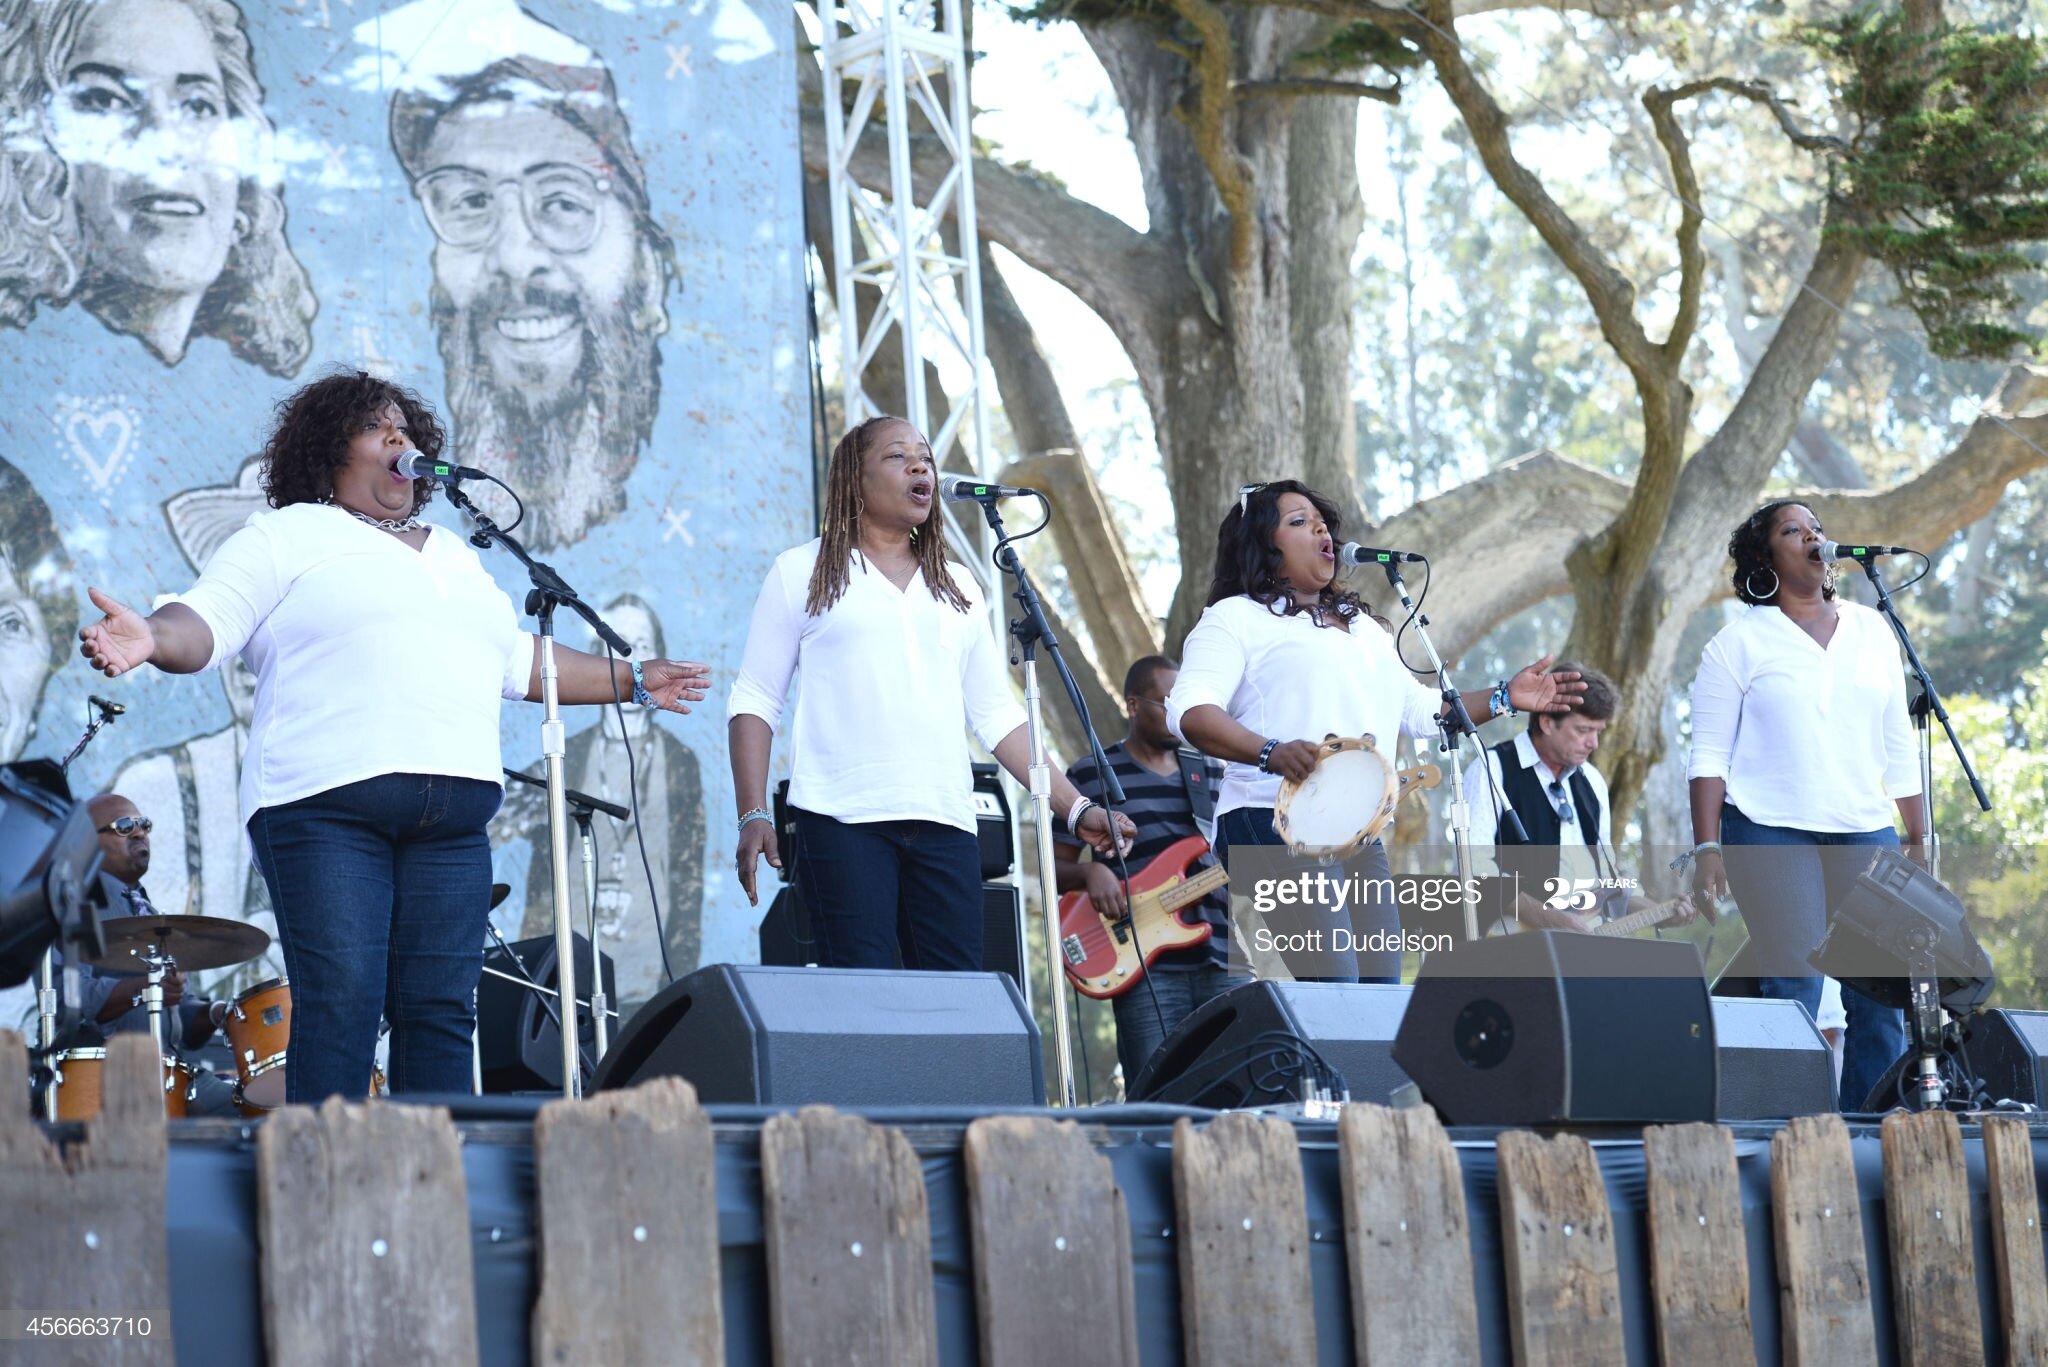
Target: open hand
{"points": [[121, 640], [1533, 690], [672, 683]]}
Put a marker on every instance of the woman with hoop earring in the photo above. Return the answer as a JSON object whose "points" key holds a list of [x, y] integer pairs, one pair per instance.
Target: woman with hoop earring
{"points": [[1283, 655], [1800, 745]]}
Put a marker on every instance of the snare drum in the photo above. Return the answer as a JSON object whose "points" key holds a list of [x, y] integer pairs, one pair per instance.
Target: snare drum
{"points": [[80, 1074], [1344, 804], [264, 1093]]}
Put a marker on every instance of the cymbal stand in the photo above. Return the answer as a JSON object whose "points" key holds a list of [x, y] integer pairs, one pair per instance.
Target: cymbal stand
{"points": [[101, 715]]}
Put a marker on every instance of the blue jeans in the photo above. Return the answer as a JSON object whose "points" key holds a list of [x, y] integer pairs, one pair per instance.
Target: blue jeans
{"points": [[1786, 900], [1254, 826], [381, 890], [1155, 1006], [888, 893]]}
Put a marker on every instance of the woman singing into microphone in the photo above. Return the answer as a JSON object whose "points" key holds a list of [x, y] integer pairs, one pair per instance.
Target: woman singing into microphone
{"points": [[365, 809], [1800, 742], [1284, 655]]}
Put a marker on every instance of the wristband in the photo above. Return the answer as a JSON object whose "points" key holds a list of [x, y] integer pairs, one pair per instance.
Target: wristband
{"points": [[758, 814], [640, 693], [1077, 811], [1499, 703], [1706, 845], [1266, 754]]}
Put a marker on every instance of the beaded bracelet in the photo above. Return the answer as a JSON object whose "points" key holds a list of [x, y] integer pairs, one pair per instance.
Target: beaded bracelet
{"points": [[1266, 753], [758, 814], [640, 693]]}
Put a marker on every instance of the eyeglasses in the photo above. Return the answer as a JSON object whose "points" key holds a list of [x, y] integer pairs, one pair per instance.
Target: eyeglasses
{"points": [[128, 825], [1244, 495], [1562, 802], [564, 206]]}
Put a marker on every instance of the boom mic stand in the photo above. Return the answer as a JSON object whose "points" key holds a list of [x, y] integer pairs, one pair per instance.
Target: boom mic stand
{"points": [[582, 807], [1453, 723], [1032, 630], [549, 592], [102, 715]]}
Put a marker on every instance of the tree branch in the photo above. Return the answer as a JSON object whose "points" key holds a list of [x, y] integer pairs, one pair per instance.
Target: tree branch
{"points": [[1610, 292], [1761, 94], [1207, 120], [1692, 263], [1303, 85]]}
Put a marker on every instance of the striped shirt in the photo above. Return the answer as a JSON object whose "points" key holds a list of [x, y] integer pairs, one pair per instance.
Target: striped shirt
{"points": [[1158, 806]]}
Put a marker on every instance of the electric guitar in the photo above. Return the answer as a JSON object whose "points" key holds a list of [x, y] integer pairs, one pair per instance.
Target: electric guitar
{"points": [[1659, 914], [1105, 958]]}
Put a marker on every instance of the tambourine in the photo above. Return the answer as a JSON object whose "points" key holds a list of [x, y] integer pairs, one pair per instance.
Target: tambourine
{"points": [[1346, 802]]}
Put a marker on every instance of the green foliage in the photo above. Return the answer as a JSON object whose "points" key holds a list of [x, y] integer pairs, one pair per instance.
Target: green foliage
{"points": [[1363, 43], [1947, 172]]}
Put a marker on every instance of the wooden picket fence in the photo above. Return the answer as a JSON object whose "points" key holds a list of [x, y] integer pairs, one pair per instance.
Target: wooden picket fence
{"points": [[629, 1260]]}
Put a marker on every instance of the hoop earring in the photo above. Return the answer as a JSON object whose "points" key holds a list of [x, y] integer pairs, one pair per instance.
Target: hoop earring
{"points": [[1749, 584]]}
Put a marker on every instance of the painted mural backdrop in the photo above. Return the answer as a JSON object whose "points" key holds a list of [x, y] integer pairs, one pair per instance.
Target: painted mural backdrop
{"points": [[573, 227]]}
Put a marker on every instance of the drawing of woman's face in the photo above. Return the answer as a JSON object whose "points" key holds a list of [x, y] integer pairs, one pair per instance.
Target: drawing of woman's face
{"points": [[143, 122]]}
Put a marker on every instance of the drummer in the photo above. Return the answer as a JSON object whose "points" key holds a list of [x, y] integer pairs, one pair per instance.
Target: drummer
{"points": [[110, 1002], [1284, 655]]}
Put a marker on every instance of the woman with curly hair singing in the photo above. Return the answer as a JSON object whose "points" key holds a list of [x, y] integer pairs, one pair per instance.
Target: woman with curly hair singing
{"points": [[1285, 654], [894, 663], [366, 820], [1800, 743]]}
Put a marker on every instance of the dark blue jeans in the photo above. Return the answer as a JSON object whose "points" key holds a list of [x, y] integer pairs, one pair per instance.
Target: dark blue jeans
{"points": [[1785, 896], [888, 893], [1156, 1005], [1254, 826], [381, 889]]}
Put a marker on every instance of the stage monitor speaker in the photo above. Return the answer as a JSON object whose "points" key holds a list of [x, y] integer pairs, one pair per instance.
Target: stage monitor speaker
{"points": [[1774, 1062], [787, 942], [521, 1048], [841, 1036], [1547, 1027], [1247, 1047], [2006, 1052]]}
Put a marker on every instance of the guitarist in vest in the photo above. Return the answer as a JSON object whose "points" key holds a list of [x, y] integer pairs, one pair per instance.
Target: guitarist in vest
{"points": [[1170, 794], [1546, 775]]}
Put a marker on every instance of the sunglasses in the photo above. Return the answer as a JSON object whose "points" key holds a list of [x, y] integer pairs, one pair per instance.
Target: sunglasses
{"points": [[1244, 495], [129, 825]]}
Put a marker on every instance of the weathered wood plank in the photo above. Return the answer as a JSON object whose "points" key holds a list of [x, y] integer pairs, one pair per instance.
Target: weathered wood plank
{"points": [[85, 1229], [1245, 1295], [2016, 1239], [1564, 1283], [1823, 1280], [1052, 1247], [848, 1233], [627, 1202], [362, 1215], [1408, 1238], [1699, 1254], [1934, 1263]]}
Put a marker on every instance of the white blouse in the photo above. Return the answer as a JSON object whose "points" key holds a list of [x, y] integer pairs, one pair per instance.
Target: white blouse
{"points": [[1806, 736], [1289, 679], [350, 633], [887, 682]]}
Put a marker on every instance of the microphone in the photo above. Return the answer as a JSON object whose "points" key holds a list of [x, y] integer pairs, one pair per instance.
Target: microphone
{"points": [[416, 465], [1351, 553], [1832, 550], [960, 489], [108, 709]]}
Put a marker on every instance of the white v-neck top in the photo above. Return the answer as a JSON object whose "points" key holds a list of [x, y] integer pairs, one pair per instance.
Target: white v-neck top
{"points": [[370, 657], [1806, 736], [1286, 678], [888, 681]]}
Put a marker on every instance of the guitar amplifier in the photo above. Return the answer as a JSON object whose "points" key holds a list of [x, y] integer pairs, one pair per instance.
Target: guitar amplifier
{"points": [[992, 822]]}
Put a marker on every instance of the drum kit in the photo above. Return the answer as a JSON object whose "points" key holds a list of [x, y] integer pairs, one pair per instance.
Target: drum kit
{"points": [[258, 1022]]}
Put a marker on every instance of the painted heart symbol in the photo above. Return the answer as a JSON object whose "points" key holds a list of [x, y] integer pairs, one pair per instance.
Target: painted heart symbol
{"points": [[90, 434]]}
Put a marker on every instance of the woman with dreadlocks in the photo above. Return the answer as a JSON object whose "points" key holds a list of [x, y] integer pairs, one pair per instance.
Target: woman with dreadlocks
{"points": [[1285, 654], [895, 662]]}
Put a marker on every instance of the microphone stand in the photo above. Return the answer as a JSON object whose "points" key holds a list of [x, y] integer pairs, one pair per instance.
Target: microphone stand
{"points": [[582, 807], [102, 716], [1032, 630], [1928, 702], [1453, 723], [549, 592]]}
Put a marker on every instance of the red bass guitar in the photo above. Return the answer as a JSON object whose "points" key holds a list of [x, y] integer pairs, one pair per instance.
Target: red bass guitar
{"points": [[1106, 958]]}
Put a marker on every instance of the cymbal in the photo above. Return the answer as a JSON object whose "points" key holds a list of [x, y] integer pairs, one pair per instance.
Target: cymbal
{"points": [[499, 892], [196, 942]]}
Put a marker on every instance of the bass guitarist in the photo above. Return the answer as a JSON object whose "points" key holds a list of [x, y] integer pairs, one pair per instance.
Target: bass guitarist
{"points": [[1170, 794]]}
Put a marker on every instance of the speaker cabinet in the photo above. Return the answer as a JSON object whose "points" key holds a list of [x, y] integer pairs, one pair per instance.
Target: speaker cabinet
{"points": [[787, 941], [1546, 1027], [517, 1038], [842, 1036], [1242, 1048], [2006, 1050], [1774, 1062]]}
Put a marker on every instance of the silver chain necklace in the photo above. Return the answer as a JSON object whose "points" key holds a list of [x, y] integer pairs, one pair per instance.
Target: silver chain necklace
{"points": [[408, 523]]}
